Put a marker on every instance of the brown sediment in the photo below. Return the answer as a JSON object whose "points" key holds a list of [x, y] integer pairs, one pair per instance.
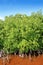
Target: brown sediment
{"points": [[16, 60]]}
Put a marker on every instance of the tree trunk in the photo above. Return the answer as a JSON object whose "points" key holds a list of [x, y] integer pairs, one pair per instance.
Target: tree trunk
{"points": [[22, 55], [34, 54], [30, 58], [15, 53], [7, 57], [25, 55], [30, 55], [0, 54], [39, 52], [3, 58]]}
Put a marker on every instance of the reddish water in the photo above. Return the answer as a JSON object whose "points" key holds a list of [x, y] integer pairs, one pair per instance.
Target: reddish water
{"points": [[16, 60]]}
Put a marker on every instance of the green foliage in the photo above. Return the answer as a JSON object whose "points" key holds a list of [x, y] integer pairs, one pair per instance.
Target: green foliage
{"points": [[22, 32], [1, 34], [23, 46]]}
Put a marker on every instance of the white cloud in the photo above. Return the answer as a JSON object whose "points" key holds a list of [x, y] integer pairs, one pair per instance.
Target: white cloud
{"points": [[2, 18]]}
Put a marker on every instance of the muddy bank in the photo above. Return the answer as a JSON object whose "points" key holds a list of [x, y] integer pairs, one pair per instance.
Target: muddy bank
{"points": [[16, 60]]}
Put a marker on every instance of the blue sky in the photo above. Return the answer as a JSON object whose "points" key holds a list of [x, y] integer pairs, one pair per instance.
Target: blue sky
{"points": [[9, 7]]}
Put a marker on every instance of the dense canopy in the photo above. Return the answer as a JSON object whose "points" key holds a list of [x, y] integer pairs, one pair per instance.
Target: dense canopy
{"points": [[22, 33]]}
